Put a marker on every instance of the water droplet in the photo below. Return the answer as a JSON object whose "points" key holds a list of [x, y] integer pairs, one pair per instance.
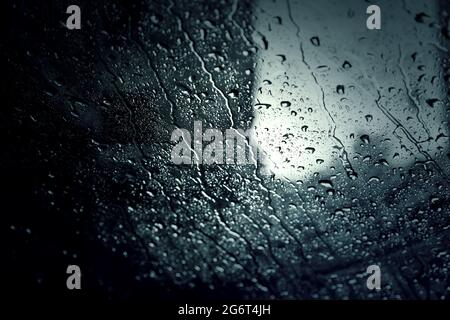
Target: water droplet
{"points": [[365, 139], [326, 183], [282, 56], [346, 65], [315, 41], [285, 104], [233, 93], [431, 102], [340, 89]]}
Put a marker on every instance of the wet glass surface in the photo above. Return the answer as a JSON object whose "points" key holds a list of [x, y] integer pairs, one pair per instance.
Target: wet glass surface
{"points": [[353, 124]]}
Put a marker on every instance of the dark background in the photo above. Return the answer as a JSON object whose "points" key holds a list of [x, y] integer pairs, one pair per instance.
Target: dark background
{"points": [[68, 96]]}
